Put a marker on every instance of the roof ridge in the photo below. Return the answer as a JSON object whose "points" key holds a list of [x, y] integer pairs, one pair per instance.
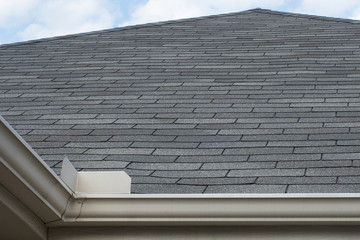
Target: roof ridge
{"points": [[126, 28], [258, 10]]}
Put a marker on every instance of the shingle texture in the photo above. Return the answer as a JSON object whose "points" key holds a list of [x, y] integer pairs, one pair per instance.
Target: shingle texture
{"points": [[250, 102]]}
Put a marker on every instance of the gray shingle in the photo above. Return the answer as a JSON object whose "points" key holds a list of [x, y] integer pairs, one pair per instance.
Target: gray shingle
{"points": [[291, 125], [76, 138], [231, 144], [97, 144], [296, 180], [315, 131], [207, 138], [246, 189], [216, 159], [335, 136], [336, 171], [141, 138], [140, 158], [152, 144], [165, 166], [190, 174], [266, 172], [85, 121], [216, 181], [166, 188], [118, 151], [275, 137], [63, 151], [349, 179], [185, 132], [152, 180], [333, 149], [100, 164], [203, 120], [68, 116], [238, 165], [74, 157], [250, 131], [120, 132], [314, 164], [300, 143], [251, 151], [184, 152], [59, 132]]}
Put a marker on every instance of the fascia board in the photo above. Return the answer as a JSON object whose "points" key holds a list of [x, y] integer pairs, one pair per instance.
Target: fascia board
{"points": [[26, 176], [217, 209]]}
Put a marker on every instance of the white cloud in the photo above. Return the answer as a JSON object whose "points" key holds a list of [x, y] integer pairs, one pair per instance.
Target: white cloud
{"points": [[356, 16], [15, 12], [60, 17], [159, 10], [355, 13], [331, 8]]}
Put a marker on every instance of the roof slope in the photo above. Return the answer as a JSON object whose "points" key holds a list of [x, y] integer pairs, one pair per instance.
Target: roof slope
{"points": [[250, 102]]}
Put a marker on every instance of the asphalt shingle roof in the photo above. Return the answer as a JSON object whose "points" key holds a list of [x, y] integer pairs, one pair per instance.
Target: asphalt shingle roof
{"points": [[250, 102]]}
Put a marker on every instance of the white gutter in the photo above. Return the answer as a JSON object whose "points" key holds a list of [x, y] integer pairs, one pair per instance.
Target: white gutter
{"points": [[219, 209], [24, 174]]}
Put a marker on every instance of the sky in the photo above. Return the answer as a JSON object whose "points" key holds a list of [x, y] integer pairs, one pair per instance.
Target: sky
{"points": [[23, 20]]}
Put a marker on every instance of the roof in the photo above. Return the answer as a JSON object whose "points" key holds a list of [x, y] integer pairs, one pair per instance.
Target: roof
{"points": [[36, 204], [250, 102]]}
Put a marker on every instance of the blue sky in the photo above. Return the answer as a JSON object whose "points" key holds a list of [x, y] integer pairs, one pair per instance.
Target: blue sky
{"points": [[22, 20]]}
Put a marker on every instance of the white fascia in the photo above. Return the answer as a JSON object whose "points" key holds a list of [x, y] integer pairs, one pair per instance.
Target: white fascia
{"points": [[25, 175]]}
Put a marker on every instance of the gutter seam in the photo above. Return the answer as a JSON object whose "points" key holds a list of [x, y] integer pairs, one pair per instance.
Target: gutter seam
{"points": [[81, 207]]}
